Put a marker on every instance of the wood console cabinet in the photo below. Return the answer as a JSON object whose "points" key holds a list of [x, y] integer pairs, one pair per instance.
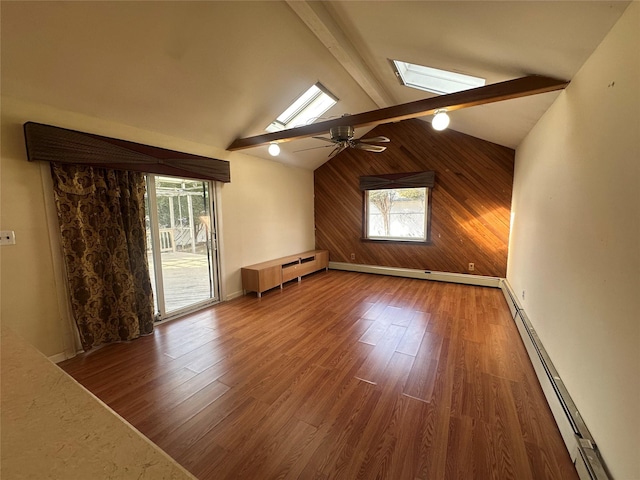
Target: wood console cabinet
{"points": [[266, 275]]}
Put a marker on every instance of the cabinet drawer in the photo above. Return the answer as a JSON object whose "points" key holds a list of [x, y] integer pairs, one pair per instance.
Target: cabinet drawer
{"points": [[290, 272], [308, 267]]}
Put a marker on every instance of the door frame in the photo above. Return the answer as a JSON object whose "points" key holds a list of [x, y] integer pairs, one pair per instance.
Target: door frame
{"points": [[215, 257]]}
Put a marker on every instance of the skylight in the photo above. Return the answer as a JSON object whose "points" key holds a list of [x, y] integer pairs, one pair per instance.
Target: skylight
{"points": [[310, 106], [434, 80]]}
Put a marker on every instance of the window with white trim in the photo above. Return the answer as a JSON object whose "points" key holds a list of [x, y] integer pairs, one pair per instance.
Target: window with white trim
{"points": [[397, 206], [397, 214]]}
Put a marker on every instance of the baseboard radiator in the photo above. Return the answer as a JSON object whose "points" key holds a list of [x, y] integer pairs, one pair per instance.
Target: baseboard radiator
{"points": [[576, 435], [478, 280]]}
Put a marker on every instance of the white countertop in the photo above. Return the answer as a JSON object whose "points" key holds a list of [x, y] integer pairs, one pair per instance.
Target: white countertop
{"points": [[53, 428]]}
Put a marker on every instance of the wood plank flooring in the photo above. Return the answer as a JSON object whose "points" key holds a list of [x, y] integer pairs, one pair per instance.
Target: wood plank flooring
{"points": [[341, 376]]}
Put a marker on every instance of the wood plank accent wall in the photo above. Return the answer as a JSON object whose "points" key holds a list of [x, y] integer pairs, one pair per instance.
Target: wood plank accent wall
{"points": [[471, 201]]}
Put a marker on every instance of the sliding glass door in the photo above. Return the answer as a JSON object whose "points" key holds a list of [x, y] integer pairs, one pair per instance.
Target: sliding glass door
{"points": [[182, 247]]}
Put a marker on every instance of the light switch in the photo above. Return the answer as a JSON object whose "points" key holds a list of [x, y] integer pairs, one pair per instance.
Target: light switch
{"points": [[7, 237]]}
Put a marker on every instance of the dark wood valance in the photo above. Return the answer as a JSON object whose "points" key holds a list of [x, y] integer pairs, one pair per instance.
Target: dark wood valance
{"points": [[398, 180], [55, 144]]}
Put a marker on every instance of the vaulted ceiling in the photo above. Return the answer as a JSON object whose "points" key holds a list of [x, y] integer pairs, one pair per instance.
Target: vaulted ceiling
{"points": [[211, 72]]}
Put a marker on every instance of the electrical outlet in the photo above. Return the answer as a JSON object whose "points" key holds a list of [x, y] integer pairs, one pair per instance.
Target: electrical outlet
{"points": [[472, 267], [523, 294], [353, 256], [7, 237]]}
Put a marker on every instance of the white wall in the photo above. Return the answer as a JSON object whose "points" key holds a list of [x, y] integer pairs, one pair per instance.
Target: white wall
{"points": [[575, 241], [266, 212]]}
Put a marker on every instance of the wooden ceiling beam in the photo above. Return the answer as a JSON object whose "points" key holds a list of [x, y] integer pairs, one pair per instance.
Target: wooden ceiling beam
{"points": [[497, 92], [321, 23]]}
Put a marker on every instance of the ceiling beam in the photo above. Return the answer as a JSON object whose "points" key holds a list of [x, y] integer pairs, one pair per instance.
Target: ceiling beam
{"points": [[520, 87], [323, 26]]}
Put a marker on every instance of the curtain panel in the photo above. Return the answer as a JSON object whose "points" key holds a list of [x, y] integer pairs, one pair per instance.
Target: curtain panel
{"points": [[102, 222]]}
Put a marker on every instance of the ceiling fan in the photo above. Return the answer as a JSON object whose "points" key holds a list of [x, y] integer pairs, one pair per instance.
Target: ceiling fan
{"points": [[342, 138]]}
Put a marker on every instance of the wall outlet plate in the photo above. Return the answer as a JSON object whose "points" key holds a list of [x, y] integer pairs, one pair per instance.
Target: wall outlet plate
{"points": [[7, 237], [472, 267]]}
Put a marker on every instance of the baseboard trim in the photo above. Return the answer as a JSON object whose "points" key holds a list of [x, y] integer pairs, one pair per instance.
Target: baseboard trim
{"points": [[576, 436], [477, 280], [58, 357], [234, 295]]}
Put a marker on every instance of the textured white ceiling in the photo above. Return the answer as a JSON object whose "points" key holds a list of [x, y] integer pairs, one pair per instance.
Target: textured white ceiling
{"points": [[213, 71]]}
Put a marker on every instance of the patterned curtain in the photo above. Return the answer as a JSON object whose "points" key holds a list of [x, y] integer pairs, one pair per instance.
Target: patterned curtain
{"points": [[102, 220]]}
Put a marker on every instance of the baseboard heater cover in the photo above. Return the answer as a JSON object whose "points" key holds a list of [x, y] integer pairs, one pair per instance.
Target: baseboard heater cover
{"points": [[576, 435], [477, 280]]}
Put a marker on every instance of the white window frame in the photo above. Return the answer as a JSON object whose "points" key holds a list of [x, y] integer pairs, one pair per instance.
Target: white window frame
{"points": [[306, 109], [427, 219], [434, 80]]}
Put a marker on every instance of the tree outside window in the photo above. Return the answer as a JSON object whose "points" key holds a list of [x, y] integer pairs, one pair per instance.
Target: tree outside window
{"points": [[397, 214]]}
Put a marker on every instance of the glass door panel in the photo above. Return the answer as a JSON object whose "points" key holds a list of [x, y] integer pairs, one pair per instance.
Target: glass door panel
{"points": [[182, 234]]}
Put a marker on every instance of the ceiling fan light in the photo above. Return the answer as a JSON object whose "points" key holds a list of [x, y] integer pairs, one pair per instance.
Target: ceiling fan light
{"points": [[440, 120], [274, 149]]}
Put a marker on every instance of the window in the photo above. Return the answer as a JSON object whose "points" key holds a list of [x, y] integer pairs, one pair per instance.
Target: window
{"points": [[310, 106], [397, 214], [397, 206], [434, 80]]}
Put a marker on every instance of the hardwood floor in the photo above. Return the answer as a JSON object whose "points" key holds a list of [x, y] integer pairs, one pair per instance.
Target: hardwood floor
{"points": [[345, 376]]}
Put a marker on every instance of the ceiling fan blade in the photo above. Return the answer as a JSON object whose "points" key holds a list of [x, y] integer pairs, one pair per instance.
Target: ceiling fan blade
{"points": [[325, 139], [519, 87], [312, 148], [338, 149], [369, 148], [374, 140]]}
